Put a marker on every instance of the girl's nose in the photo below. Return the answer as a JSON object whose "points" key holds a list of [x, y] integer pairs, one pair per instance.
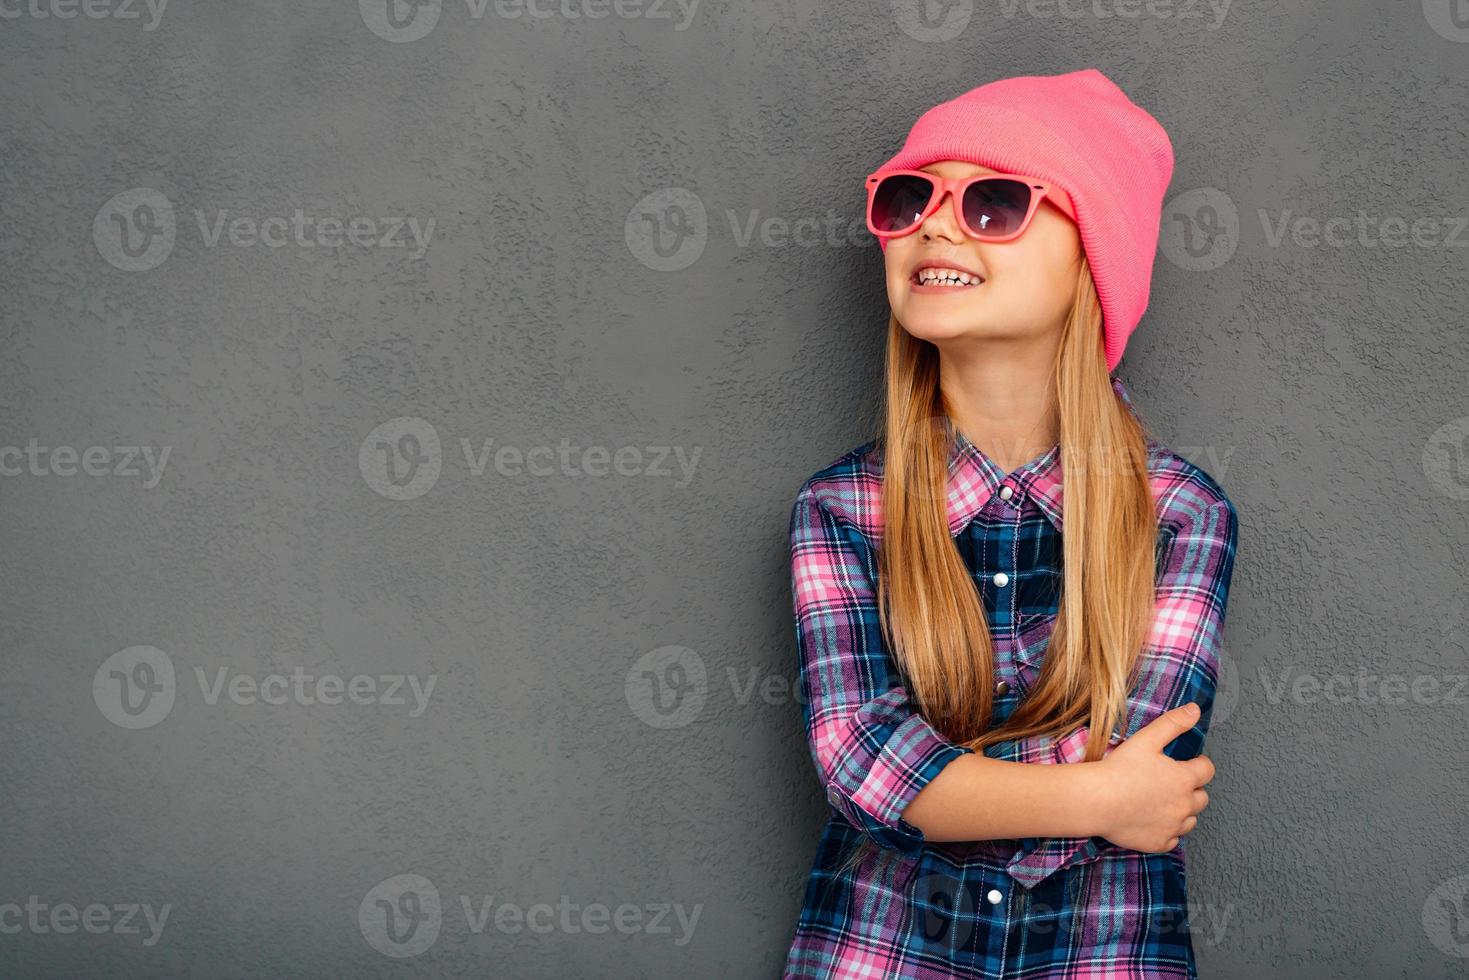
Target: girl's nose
{"points": [[945, 219]]}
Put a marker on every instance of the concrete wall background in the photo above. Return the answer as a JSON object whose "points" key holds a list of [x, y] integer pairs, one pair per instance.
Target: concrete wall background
{"points": [[608, 637]]}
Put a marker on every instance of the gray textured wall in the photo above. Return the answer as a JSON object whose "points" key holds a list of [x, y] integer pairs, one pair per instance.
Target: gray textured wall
{"points": [[635, 239]]}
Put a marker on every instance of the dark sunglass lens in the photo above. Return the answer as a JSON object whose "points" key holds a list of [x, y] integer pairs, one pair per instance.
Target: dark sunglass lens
{"points": [[899, 200], [996, 207]]}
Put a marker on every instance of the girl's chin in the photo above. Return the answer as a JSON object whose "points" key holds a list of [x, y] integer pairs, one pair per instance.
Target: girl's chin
{"points": [[931, 327]]}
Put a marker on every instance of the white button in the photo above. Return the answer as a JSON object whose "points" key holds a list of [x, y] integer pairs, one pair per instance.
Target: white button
{"points": [[1001, 579], [1006, 493], [995, 897]]}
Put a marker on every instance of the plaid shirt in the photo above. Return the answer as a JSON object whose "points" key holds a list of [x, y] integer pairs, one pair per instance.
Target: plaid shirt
{"points": [[1032, 908]]}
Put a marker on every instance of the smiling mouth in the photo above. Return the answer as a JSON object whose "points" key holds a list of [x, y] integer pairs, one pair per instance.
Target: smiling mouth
{"points": [[945, 278]]}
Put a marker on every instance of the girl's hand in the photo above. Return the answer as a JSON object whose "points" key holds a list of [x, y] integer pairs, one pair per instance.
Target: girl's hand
{"points": [[1149, 799]]}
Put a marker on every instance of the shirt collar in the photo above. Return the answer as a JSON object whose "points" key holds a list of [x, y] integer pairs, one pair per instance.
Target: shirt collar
{"points": [[974, 478]]}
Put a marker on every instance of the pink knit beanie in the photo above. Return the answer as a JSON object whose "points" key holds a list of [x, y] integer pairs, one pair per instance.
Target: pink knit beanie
{"points": [[1080, 131]]}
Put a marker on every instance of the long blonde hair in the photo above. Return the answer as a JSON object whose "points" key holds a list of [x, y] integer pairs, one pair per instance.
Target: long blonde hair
{"points": [[931, 612]]}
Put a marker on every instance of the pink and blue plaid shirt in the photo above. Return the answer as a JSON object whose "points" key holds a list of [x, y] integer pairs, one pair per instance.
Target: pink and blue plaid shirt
{"points": [[1030, 908]]}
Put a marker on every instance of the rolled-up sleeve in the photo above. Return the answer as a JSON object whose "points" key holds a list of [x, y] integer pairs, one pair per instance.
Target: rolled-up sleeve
{"points": [[874, 752], [1179, 664]]}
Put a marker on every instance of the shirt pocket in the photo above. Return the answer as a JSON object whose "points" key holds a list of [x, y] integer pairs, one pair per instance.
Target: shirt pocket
{"points": [[1039, 578], [1032, 638]]}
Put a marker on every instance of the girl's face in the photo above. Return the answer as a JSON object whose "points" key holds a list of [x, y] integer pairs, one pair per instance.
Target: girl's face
{"points": [[1027, 283]]}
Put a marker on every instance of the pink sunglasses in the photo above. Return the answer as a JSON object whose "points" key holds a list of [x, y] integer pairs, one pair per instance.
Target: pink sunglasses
{"points": [[991, 207]]}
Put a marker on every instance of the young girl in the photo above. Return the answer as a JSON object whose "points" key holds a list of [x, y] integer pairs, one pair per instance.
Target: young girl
{"points": [[956, 647]]}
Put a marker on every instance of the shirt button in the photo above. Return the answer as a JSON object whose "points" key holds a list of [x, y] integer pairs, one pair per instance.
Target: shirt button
{"points": [[1002, 688], [1006, 493], [995, 898], [1001, 579]]}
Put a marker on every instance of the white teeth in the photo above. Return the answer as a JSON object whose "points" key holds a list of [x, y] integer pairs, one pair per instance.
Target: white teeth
{"points": [[934, 276]]}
